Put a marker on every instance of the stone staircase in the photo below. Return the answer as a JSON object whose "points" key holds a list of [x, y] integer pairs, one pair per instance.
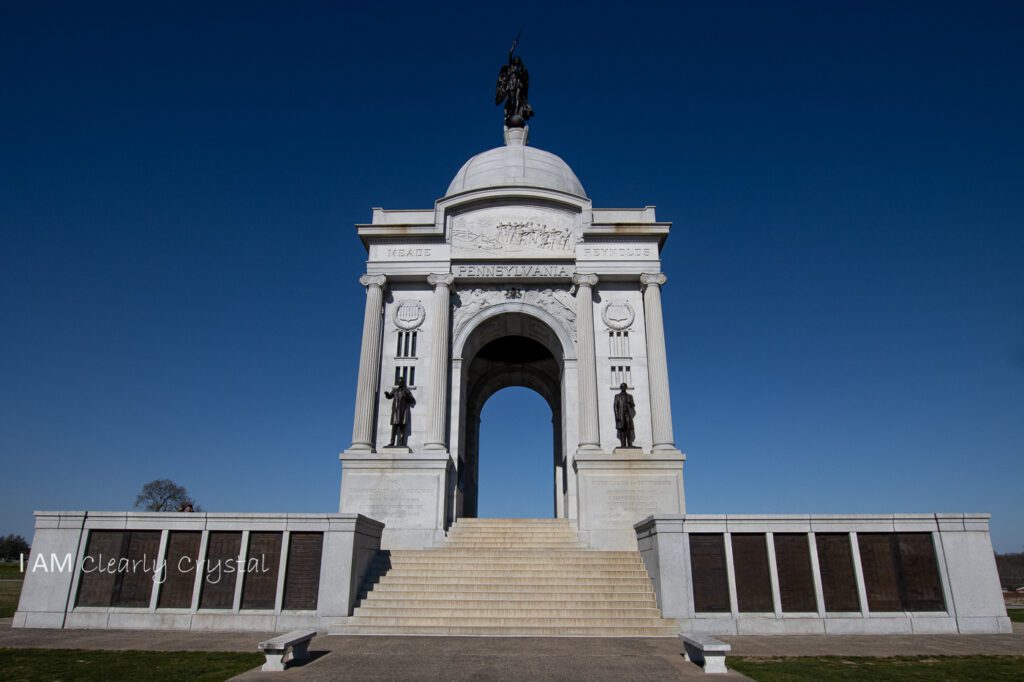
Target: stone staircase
{"points": [[509, 578]]}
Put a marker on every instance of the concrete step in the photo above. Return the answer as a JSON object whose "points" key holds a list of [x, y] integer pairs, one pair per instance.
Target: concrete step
{"points": [[516, 572], [434, 591], [510, 601], [509, 577], [568, 552], [508, 564], [510, 522], [412, 592], [509, 581], [516, 532], [509, 631], [510, 545], [467, 613], [510, 621], [561, 537]]}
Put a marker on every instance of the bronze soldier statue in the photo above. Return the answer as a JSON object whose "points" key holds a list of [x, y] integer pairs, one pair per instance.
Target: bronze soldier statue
{"points": [[514, 89], [625, 410], [402, 401]]}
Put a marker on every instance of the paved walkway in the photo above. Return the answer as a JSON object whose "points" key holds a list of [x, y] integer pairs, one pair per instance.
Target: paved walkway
{"points": [[513, 658], [880, 645], [493, 658]]}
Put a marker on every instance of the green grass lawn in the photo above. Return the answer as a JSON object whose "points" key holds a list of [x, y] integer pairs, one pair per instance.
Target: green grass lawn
{"points": [[76, 664], [10, 571], [10, 589], [1016, 615], [958, 668]]}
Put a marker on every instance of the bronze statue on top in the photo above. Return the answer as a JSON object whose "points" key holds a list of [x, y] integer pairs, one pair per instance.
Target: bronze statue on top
{"points": [[514, 88], [402, 402], [625, 410]]}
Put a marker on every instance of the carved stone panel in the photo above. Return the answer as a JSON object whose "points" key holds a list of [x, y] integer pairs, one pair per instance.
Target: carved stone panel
{"points": [[514, 232], [618, 315], [409, 315]]}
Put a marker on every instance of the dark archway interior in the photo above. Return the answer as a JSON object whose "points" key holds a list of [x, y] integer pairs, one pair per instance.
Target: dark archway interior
{"points": [[502, 362]]}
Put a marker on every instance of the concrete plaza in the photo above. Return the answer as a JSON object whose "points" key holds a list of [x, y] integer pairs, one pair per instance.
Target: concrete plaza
{"points": [[517, 658]]}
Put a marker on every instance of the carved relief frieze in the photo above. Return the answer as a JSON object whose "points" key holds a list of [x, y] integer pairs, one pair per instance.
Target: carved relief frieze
{"points": [[513, 232], [558, 303]]}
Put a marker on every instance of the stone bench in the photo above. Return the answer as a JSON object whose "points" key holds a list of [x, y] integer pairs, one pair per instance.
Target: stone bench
{"points": [[277, 649], [706, 651]]}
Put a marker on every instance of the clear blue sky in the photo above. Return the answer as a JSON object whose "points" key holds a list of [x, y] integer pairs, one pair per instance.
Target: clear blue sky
{"points": [[178, 266]]}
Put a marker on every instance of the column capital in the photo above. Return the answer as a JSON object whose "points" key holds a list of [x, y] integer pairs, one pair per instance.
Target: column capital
{"points": [[373, 280], [657, 279], [584, 279], [439, 279]]}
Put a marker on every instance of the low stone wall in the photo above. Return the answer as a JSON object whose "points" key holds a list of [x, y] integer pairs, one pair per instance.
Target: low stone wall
{"points": [[195, 571], [825, 574]]}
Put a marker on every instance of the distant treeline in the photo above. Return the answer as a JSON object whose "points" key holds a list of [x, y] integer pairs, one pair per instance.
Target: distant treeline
{"points": [[1011, 570]]}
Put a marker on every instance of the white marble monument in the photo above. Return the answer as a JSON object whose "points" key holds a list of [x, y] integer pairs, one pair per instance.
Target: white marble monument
{"points": [[513, 278]]}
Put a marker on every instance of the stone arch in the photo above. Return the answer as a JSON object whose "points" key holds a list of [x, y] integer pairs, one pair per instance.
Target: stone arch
{"points": [[508, 344], [468, 332]]}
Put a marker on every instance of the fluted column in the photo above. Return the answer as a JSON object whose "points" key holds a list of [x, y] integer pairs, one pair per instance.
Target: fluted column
{"points": [[590, 435], [438, 397], [369, 363], [657, 362]]}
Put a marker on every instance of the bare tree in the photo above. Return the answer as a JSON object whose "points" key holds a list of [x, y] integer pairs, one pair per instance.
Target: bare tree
{"points": [[165, 495]]}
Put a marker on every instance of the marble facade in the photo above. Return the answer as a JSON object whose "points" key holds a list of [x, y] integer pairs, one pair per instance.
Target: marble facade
{"points": [[514, 250]]}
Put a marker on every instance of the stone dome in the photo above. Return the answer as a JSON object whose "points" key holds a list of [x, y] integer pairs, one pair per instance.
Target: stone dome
{"points": [[516, 164]]}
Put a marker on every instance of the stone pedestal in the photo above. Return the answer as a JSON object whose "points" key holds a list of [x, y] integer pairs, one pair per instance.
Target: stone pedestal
{"points": [[406, 491], [620, 489]]}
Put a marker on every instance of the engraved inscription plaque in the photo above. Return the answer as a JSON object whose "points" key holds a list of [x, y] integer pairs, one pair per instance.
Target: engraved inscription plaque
{"points": [[259, 586], [710, 583], [221, 570], [880, 577], [796, 579], [134, 584], [408, 500], [921, 587], [614, 501], [180, 569], [838, 581], [302, 575], [753, 580], [96, 588]]}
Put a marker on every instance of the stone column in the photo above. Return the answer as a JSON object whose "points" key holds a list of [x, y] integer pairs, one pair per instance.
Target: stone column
{"points": [[657, 363], [590, 435], [437, 401], [369, 363]]}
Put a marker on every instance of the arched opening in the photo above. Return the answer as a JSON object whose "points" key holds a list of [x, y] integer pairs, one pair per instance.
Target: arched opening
{"points": [[513, 349], [516, 436]]}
